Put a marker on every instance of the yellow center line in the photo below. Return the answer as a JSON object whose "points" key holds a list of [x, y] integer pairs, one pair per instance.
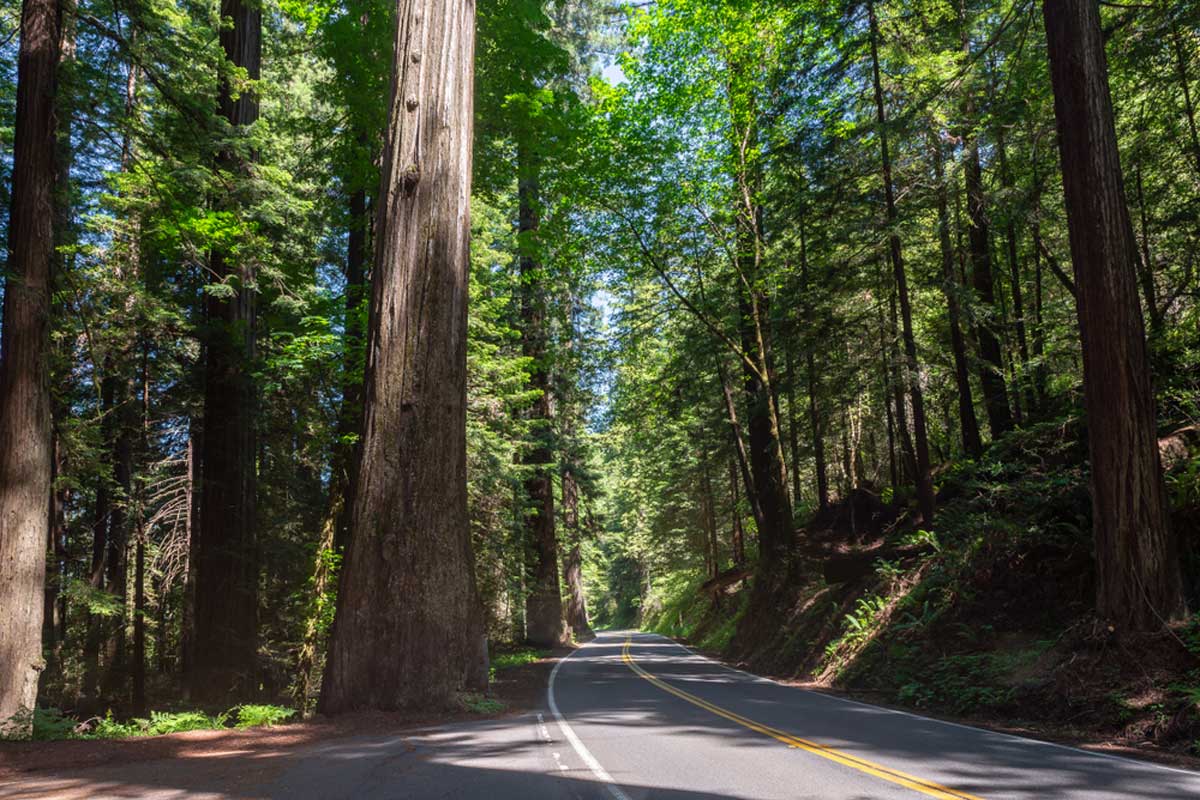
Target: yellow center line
{"points": [[921, 785]]}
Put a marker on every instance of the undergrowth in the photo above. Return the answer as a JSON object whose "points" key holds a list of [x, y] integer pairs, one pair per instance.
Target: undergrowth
{"points": [[508, 659], [52, 724]]}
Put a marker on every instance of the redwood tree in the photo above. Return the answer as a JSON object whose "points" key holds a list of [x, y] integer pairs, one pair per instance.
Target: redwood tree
{"points": [[1138, 581], [226, 561], [409, 626], [25, 442], [544, 624]]}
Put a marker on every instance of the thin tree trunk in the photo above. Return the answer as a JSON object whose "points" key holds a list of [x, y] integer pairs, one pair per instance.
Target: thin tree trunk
{"points": [[409, 626], [739, 444], [1146, 270], [737, 536], [1138, 579], [577, 616], [793, 425], [924, 479], [969, 423], [225, 652], [813, 383], [26, 458], [1181, 72], [710, 518], [1039, 329], [991, 368], [900, 407], [1014, 270]]}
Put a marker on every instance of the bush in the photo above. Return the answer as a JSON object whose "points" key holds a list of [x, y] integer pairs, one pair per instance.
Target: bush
{"points": [[254, 716]]}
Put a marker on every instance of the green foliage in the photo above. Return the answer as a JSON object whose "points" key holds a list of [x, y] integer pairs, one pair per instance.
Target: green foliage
{"points": [[861, 624], [51, 724], [479, 704], [514, 658], [254, 716], [961, 683]]}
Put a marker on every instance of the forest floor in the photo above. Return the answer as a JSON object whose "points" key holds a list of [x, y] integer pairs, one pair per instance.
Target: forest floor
{"points": [[517, 688], [987, 620]]}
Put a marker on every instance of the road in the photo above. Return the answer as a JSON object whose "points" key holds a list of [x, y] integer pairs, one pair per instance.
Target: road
{"points": [[631, 716]]}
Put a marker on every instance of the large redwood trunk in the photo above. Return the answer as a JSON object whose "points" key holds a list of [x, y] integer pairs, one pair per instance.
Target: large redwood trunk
{"points": [[226, 562], [544, 624], [26, 459], [1138, 580], [409, 625]]}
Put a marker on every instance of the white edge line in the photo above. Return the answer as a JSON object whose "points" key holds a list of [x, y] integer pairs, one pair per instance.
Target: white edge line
{"points": [[998, 734], [583, 752]]}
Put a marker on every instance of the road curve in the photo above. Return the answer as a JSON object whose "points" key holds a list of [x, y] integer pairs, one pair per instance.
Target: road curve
{"points": [[631, 716], [664, 722]]}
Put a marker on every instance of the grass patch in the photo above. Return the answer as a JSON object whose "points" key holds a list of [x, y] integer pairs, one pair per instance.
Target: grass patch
{"points": [[508, 659]]}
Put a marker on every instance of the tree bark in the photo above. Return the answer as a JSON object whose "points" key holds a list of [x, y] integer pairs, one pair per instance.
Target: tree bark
{"points": [[1014, 271], [544, 624], [972, 443], [1138, 578], [991, 371], [409, 625], [577, 616], [226, 562], [911, 374], [816, 425], [26, 458], [737, 535], [739, 444], [336, 526]]}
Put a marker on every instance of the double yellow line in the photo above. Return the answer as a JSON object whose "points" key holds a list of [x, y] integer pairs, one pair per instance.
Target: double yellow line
{"points": [[921, 785]]}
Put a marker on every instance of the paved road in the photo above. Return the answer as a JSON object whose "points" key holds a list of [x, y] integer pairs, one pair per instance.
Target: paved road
{"points": [[633, 716]]}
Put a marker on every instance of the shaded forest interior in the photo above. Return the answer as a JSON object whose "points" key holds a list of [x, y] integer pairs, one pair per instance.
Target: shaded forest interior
{"points": [[354, 350]]}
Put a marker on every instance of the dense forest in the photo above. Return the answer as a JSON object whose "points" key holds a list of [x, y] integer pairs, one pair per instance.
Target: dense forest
{"points": [[345, 343]]}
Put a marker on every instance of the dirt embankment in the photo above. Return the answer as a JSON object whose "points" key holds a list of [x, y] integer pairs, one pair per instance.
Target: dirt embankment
{"points": [[988, 619]]}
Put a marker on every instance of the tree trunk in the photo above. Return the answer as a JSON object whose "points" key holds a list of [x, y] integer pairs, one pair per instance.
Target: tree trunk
{"points": [[26, 459], [1014, 271], [972, 443], [409, 626], [793, 426], [1138, 580], [814, 415], [226, 555], [893, 363], [991, 371], [737, 535], [709, 503], [543, 603], [577, 616], [739, 444], [335, 528], [924, 479], [766, 448]]}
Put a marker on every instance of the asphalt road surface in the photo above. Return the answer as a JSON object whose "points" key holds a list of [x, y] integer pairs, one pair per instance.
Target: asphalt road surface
{"points": [[632, 716]]}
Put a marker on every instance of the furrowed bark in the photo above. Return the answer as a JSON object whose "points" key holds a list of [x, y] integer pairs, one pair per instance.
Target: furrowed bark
{"points": [[226, 559], [26, 458], [544, 624], [409, 626], [1138, 579]]}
